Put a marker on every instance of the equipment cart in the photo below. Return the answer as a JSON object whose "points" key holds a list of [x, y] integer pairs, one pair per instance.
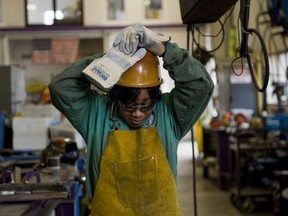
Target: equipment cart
{"points": [[253, 162]]}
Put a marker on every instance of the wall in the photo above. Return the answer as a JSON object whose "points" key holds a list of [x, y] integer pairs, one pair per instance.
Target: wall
{"points": [[16, 45], [12, 13], [96, 13]]}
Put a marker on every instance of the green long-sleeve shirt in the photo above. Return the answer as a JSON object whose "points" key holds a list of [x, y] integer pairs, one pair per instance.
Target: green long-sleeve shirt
{"points": [[175, 113]]}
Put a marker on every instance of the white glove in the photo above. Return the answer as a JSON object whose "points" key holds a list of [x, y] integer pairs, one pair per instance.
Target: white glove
{"points": [[137, 35], [106, 71]]}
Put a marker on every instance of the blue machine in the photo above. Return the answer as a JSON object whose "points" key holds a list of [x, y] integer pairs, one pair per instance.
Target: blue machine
{"points": [[277, 122], [278, 11], [2, 129]]}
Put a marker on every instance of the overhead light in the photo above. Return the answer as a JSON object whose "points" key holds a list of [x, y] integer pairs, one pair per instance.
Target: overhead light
{"points": [[48, 17], [59, 15], [32, 7]]}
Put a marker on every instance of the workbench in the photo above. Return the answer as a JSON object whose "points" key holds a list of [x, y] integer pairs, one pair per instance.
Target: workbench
{"points": [[254, 162], [36, 208], [46, 190]]}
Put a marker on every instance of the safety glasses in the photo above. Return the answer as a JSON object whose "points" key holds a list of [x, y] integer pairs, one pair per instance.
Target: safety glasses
{"points": [[132, 108]]}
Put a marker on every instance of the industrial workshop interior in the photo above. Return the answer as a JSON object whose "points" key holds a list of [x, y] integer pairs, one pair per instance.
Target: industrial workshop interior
{"points": [[232, 162]]}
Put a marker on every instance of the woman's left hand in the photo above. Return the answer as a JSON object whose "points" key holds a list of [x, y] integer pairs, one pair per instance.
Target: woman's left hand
{"points": [[137, 35]]}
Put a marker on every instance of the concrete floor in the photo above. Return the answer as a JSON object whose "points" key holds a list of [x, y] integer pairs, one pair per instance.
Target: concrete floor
{"points": [[210, 199]]}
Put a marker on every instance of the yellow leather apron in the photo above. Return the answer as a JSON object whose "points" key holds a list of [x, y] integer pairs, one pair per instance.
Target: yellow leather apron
{"points": [[135, 177]]}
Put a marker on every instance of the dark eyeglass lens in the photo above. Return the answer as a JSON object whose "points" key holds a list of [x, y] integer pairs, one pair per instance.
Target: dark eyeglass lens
{"points": [[143, 108]]}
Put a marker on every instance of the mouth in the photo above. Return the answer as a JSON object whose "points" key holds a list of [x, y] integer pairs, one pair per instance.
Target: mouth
{"points": [[136, 122]]}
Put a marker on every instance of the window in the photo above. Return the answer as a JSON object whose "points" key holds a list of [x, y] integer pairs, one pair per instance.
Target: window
{"points": [[153, 9], [54, 12], [116, 10]]}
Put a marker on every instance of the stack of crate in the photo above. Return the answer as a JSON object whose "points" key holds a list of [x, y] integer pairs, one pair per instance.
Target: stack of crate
{"points": [[64, 50], [61, 50], [41, 51]]}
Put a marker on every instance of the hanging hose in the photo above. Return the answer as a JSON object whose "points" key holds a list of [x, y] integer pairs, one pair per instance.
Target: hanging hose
{"points": [[266, 61], [244, 51]]}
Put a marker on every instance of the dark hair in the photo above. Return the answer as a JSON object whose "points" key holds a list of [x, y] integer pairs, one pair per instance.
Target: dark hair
{"points": [[128, 95]]}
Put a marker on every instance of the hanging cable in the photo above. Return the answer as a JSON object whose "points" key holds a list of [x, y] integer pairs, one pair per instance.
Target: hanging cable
{"points": [[244, 49], [192, 138], [194, 174], [193, 161], [188, 37], [196, 28]]}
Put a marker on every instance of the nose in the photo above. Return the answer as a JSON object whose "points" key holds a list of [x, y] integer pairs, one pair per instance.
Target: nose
{"points": [[137, 113]]}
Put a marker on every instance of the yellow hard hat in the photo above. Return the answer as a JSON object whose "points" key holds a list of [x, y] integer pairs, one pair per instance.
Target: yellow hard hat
{"points": [[143, 74]]}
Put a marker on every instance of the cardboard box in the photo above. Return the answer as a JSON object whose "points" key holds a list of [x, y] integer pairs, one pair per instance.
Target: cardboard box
{"points": [[31, 110], [30, 133], [38, 111]]}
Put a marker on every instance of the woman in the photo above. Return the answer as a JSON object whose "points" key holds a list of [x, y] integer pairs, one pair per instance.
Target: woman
{"points": [[132, 135]]}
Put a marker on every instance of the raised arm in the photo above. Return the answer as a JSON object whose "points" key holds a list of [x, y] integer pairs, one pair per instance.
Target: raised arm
{"points": [[71, 93], [193, 87]]}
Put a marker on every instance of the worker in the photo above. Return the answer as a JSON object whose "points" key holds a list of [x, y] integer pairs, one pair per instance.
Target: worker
{"points": [[133, 131]]}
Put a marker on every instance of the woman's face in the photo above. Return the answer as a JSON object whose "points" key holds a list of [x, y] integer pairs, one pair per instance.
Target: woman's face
{"points": [[138, 111]]}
